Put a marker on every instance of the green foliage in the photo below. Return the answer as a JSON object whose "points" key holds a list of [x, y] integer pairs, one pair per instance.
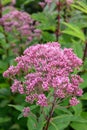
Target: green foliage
{"points": [[74, 31], [5, 2], [80, 6], [84, 97], [46, 22]]}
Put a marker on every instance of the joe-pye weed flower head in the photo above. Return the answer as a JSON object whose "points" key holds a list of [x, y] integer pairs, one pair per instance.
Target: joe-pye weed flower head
{"points": [[46, 67]]}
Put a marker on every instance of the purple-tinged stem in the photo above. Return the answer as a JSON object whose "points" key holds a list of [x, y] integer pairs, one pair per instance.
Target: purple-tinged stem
{"points": [[50, 115], [85, 52], [0, 9], [58, 18]]}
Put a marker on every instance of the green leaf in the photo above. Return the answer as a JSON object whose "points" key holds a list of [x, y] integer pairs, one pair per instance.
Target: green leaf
{"points": [[33, 107], [63, 109], [46, 22], [17, 107], [84, 84], [40, 122], [31, 123], [62, 118], [77, 47], [79, 119], [4, 119], [62, 121], [84, 97], [85, 64], [53, 127], [80, 6], [4, 85], [4, 92], [79, 126], [74, 31], [2, 36], [27, 2], [48, 37], [3, 66], [20, 116], [5, 2], [84, 115], [77, 109]]}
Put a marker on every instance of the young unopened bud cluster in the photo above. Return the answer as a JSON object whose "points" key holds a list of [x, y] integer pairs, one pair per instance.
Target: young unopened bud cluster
{"points": [[46, 67]]}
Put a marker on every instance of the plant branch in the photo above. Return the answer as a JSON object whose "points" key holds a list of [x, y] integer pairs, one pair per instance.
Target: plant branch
{"points": [[0, 9], [58, 19], [50, 114], [85, 52]]}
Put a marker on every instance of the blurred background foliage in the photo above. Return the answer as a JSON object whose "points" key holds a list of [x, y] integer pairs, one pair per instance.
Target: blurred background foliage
{"points": [[73, 34]]}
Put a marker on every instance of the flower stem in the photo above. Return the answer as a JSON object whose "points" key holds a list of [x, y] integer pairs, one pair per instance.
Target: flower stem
{"points": [[58, 19], [0, 9], [85, 52], [50, 115]]}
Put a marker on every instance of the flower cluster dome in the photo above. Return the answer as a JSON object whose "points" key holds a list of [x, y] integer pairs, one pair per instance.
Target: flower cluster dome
{"points": [[43, 67]]}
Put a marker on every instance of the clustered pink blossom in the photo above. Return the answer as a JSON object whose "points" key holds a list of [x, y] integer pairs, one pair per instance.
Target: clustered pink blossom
{"points": [[21, 27], [42, 100], [73, 101], [26, 111], [22, 23], [44, 67]]}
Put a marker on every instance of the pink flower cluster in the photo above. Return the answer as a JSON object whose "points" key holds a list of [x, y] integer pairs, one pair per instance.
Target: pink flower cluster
{"points": [[26, 111], [44, 67], [21, 24]]}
